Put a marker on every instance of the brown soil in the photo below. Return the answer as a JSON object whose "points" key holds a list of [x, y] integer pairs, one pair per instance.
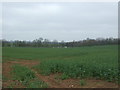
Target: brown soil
{"points": [[25, 63], [51, 81], [75, 83], [12, 83], [6, 69]]}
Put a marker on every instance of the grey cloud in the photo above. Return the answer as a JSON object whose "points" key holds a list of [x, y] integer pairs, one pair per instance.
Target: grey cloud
{"points": [[0, 20], [61, 21]]}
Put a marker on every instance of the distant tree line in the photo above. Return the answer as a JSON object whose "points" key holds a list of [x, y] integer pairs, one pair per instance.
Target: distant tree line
{"points": [[40, 42]]}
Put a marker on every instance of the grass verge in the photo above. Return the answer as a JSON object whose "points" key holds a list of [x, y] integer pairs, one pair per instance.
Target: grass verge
{"points": [[27, 77]]}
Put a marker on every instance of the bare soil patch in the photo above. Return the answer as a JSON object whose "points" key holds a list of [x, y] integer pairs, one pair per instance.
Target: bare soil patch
{"points": [[75, 83], [6, 69], [28, 63]]}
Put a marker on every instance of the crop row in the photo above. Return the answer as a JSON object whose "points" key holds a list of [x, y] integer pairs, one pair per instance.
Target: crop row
{"points": [[76, 69]]}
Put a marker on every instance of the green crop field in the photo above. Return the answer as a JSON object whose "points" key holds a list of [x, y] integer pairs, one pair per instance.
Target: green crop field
{"points": [[100, 62]]}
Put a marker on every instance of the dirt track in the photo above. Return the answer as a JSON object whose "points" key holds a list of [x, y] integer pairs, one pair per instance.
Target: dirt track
{"points": [[50, 80]]}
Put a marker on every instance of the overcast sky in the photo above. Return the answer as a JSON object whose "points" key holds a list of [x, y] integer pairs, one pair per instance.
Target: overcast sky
{"points": [[61, 21]]}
